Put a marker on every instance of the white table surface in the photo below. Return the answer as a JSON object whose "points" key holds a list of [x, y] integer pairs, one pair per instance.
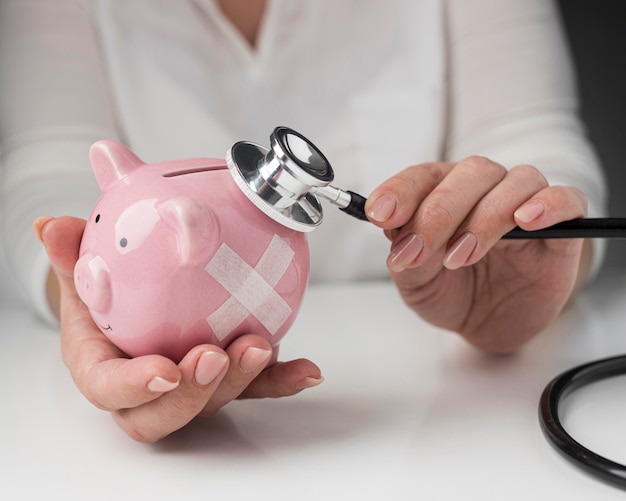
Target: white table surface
{"points": [[406, 412]]}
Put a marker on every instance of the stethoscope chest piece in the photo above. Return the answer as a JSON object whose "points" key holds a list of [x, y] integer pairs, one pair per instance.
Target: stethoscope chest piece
{"points": [[286, 181], [281, 181]]}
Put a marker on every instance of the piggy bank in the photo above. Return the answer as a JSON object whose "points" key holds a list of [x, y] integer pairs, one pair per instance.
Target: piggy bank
{"points": [[175, 255]]}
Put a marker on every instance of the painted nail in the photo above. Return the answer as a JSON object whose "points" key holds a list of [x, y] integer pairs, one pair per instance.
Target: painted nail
{"points": [[210, 364], [161, 385], [38, 225], [254, 359], [530, 211], [460, 250], [382, 209], [404, 252], [309, 382]]}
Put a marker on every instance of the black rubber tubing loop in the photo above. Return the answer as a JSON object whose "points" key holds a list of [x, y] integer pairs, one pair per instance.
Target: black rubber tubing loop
{"points": [[551, 398]]}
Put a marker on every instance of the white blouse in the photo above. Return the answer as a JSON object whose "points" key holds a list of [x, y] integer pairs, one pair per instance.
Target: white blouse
{"points": [[377, 85]]}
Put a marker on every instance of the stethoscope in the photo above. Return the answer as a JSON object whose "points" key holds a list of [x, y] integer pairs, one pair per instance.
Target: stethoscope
{"points": [[288, 180]]}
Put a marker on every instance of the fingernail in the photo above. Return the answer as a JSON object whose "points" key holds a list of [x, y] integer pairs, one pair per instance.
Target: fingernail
{"points": [[404, 252], [209, 366], [38, 225], [382, 209], [254, 358], [309, 382], [460, 250], [530, 211], [160, 385]]}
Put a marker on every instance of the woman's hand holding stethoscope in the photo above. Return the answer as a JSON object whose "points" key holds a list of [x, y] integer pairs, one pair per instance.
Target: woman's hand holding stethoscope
{"points": [[449, 260]]}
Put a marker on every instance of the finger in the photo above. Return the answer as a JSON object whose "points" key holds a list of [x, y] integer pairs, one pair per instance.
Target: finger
{"points": [[249, 355], [550, 206], [61, 238], [525, 199], [492, 216], [442, 211], [202, 371], [394, 202], [284, 379], [120, 383]]}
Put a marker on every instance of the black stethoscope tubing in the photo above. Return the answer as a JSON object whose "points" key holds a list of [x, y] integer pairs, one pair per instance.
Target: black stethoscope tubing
{"points": [[549, 406]]}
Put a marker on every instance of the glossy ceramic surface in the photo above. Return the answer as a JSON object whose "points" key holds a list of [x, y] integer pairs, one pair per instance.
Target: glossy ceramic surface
{"points": [[175, 255]]}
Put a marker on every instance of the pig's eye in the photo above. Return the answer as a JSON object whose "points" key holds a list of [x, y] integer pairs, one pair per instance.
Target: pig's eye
{"points": [[123, 242], [97, 218]]}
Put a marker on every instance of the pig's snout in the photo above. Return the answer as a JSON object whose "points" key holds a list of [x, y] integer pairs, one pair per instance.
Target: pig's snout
{"points": [[92, 281]]}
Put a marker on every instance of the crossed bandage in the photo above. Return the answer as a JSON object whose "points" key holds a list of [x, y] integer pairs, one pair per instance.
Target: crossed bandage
{"points": [[252, 289]]}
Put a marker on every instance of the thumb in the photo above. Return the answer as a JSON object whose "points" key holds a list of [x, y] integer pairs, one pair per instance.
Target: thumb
{"points": [[61, 238]]}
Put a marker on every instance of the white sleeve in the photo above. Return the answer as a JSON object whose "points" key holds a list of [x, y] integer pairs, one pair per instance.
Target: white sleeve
{"points": [[513, 95], [54, 104]]}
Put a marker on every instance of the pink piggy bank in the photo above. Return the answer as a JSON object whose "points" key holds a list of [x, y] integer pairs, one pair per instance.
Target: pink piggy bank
{"points": [[175, 255]]}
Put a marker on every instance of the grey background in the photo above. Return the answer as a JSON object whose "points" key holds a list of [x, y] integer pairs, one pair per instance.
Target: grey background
{"points": [[597, 35]]}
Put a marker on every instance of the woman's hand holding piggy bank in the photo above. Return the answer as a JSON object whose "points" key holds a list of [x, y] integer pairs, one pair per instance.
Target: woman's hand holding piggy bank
{"points": [[179, 270]]}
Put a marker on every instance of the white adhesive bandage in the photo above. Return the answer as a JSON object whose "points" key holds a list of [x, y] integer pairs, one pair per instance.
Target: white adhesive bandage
{"points": [[252, 289]]}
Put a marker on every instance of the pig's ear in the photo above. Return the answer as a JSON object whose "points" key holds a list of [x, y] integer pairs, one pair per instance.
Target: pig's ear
{"points": [[111, 161], [195, 226]]}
